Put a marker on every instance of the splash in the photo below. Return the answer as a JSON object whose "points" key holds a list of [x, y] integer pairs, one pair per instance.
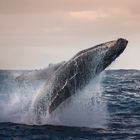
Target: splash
{"points": [[85, 108], [16, 97]]}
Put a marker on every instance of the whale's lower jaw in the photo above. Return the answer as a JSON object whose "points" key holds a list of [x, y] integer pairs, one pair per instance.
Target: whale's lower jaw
{"points": [[76, 73]]}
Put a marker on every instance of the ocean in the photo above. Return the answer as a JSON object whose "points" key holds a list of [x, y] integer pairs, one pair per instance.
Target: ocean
{"points": [[108, 108]]}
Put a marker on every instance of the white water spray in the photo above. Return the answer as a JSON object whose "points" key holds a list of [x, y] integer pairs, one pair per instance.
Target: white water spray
{"points": [[85, 108]]}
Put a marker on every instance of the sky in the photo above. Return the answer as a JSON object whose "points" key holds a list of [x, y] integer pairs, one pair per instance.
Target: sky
{"points": [[34, 33]]}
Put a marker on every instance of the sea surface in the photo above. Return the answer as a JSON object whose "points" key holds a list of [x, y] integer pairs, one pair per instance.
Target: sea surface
{"points": [[111, 112]]}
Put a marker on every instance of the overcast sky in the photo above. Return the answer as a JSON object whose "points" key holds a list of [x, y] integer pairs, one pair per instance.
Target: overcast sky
{"points": [[34, 33]]}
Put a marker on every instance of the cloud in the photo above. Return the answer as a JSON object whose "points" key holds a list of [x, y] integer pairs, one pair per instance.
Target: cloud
{"points": [[40, 6], [88, 15]]}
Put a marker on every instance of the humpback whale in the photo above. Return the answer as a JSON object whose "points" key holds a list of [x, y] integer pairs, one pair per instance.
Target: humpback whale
{"points": [[75, 74]]}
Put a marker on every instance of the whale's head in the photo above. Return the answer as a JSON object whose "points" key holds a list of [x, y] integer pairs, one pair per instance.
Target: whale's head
{"points": [[97, 58]]}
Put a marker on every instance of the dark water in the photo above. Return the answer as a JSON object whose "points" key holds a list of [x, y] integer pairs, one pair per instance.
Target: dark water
{"points": [[121, 94]]}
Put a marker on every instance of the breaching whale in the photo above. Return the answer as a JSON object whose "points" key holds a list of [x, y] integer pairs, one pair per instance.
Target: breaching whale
{"points": [[75, 74], [66, 78]]}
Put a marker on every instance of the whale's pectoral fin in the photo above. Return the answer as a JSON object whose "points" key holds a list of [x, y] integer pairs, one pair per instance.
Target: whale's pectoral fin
{"points": [[40, 74], [61, 96]]}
